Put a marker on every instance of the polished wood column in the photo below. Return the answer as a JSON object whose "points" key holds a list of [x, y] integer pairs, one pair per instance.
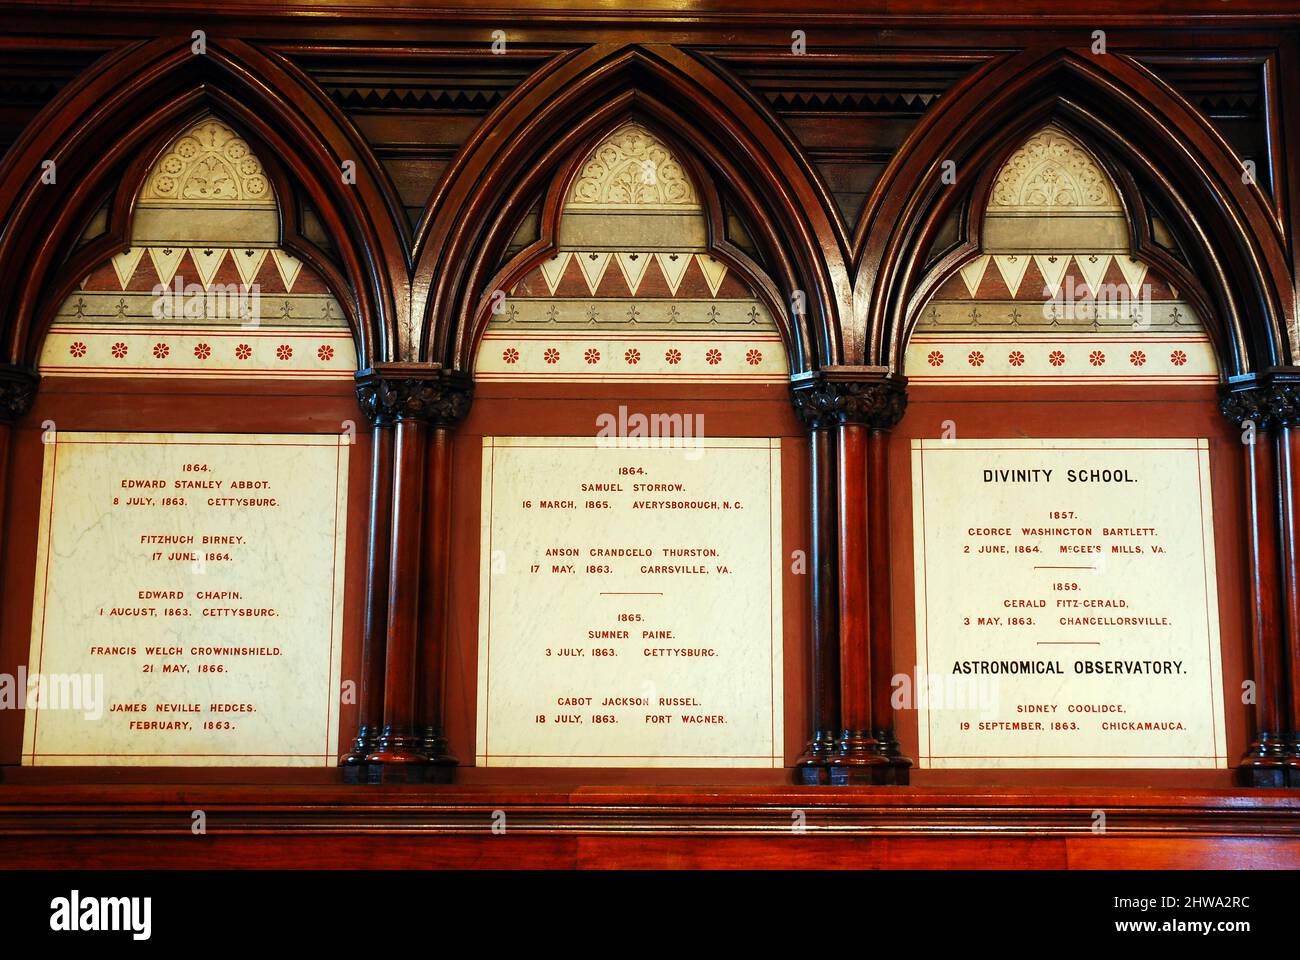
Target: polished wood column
{"points": [[370, 700], [1260, 408], [813, 764], [1288, 459], [434, 606], [400, 746], [880, 584], [422, 400], [862, 403], [857, 748]]}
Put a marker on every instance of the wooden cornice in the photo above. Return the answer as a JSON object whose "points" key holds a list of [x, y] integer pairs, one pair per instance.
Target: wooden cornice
{"points": [[699, 11]]}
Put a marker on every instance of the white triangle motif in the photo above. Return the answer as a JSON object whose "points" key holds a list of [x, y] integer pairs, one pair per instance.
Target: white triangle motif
{"points": [[207, 260], [289, 268], [1135, 272], [248, 263], [593, 267], [714, 271], [674, 267], [973, 273], [1013, 269], [633, 267], [1052, 266], [553, 269], [1093, 267], [165, 261], [124, 264]]}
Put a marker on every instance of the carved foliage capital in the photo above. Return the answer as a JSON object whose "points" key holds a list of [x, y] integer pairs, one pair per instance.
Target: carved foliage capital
{"points": [[391, 392], [17, 392], [878, 402], [1268, 404]]}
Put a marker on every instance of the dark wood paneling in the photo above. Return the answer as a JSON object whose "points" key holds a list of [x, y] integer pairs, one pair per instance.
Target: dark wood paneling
{"points": [[828, 160], [416, 108]]}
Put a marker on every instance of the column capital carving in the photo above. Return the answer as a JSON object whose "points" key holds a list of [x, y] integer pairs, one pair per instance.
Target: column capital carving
{"points": [[17, 391], [1269, 400], [388, 392], [868, 396]]}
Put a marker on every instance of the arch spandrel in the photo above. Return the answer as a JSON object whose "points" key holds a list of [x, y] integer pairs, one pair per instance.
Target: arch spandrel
{"points": [[162, 85]]}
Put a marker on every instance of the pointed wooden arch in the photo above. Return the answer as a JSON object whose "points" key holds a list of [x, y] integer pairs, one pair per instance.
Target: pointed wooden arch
{"points": [[103, 133], [1129, 120], [553, 205], [975, 207], [521, 148]]}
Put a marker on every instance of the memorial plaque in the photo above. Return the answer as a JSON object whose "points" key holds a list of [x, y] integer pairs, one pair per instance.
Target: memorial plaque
{"points": [[630, 606], [1066, 604], [189, 590]]}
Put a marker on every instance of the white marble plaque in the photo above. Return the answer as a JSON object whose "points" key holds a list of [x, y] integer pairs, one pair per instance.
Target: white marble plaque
{"points": [[1066, 609], [630, 604], [189, 601]]}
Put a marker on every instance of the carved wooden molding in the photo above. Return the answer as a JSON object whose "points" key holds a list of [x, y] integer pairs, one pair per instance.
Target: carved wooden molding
{"points": [[1241, 287], [121, 104], [858, 288], [572, 103], [126, 811]]}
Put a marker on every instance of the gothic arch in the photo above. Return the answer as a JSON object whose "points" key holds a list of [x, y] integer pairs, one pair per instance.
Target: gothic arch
{"points": [[205, 225], [105, 129], [527, 142], [691, 177], [1128, 117], [1049, 252]]}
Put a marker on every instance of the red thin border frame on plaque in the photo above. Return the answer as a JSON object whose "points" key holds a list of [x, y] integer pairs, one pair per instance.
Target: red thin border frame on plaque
{"points": [[776, 758], [327, 756], [1201, 449]]}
